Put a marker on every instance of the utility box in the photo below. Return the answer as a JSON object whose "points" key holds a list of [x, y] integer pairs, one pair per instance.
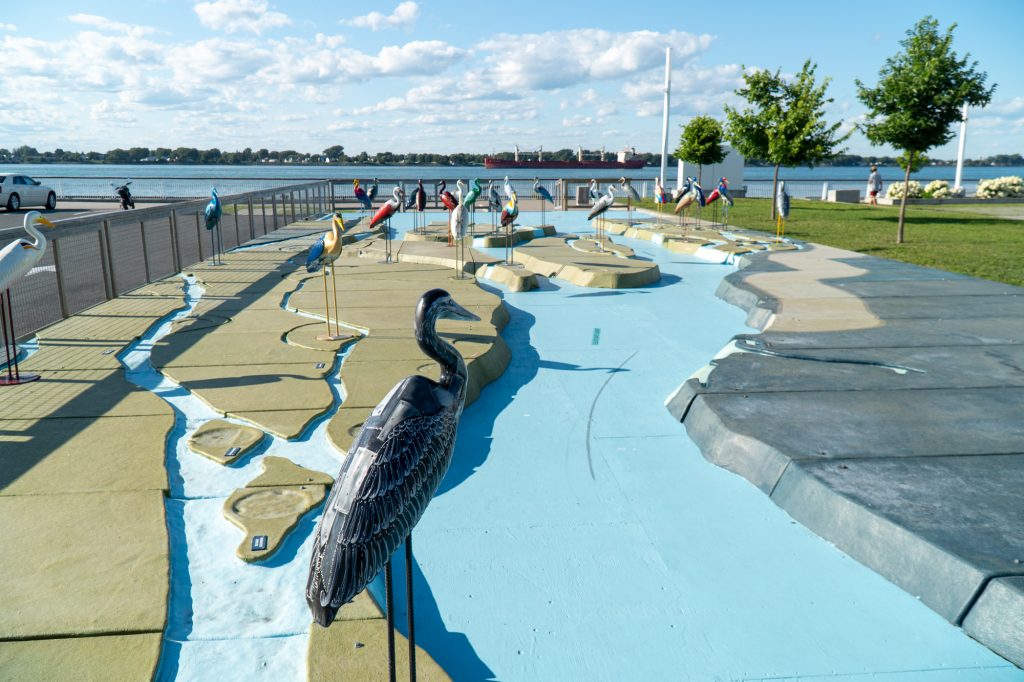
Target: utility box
{"points": [[844, 196], [583, 196]]}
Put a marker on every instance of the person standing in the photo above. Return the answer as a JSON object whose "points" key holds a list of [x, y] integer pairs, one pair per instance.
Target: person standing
{"points": [[874, 186]]}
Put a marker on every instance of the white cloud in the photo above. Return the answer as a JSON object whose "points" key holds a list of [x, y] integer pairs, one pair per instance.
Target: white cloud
{"points": [[417, 57], [405, 14], [103, 23], [558, 59], [7, 27], [239, 15]]}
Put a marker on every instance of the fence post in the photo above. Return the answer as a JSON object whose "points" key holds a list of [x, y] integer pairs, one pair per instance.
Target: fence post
{"points": [[330, 184], [175, 245], [238, 235], [145, 251], [105, 266], [263, 211], [60, 279], [110, 260], [291, 194], [199, 236], [273, 208], [252, 227]]}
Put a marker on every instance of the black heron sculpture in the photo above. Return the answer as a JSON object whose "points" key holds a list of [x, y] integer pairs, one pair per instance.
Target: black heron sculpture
{"points": [[390, 475]]}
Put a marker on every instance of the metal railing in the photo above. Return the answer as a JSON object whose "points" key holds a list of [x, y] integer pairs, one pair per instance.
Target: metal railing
{"points": [[94, 258]]}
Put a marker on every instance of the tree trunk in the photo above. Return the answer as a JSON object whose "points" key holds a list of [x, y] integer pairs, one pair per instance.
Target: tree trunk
{"points": [[775, 188], [903, 201], [700, 172]]}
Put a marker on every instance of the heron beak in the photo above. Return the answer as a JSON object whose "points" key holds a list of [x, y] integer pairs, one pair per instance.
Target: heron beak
{"points": [[45, 222], [457, 312]]}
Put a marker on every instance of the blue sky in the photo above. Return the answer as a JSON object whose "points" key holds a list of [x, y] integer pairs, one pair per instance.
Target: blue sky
{"points": [[444, 76]]}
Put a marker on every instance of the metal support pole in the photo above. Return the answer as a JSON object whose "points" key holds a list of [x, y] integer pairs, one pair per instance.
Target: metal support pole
{"points": [[252, 229], [409, 605], [263, 212], [61, 294], [238, 235], [273, 208], [199, 236], [389, 605]]}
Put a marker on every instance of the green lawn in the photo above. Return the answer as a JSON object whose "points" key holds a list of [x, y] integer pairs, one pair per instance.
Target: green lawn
{"points": [[964, 241]]}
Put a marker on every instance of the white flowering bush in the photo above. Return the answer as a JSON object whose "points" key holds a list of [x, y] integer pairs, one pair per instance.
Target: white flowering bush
{"points": [[938, 189], [895, 190], [957, 192], [1009, 186]]}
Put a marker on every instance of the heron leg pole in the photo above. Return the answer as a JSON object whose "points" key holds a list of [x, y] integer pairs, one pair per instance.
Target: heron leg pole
{"points": [[409, 603], [337, 314], [327, 305], [389, 603]]}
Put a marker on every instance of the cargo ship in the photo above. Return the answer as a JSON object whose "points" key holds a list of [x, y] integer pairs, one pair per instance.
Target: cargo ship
{"points": [[627, 158]]}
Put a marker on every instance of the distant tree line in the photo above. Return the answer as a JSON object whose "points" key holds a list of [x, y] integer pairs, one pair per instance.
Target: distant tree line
{"points": [[335, 155]]}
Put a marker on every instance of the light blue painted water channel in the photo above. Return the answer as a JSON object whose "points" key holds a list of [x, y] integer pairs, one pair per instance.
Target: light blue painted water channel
{"points": [[580, 534]]}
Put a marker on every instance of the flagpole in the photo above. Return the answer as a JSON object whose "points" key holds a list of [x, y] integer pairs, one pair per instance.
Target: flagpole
{"points": [[664, 125], [960, 151]]}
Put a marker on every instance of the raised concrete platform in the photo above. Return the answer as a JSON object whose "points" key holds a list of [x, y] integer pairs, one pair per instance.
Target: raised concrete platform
{"points": [[881, 407]]}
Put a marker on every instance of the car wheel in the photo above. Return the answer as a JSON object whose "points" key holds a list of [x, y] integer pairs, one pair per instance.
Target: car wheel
{"points": [[13, 202], [51, 201]]}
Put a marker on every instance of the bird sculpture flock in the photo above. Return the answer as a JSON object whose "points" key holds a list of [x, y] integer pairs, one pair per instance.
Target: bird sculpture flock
{"points": [[213, 213], [390, 475], [781, 211], [322, 254], [16, 260]]}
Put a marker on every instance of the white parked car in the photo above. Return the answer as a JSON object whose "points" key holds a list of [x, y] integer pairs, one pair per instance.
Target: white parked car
{"points": [[21, 190]]}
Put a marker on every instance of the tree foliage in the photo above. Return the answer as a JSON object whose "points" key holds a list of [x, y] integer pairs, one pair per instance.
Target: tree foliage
{"points": [[701, 142], [784, 122], [919, 95]]}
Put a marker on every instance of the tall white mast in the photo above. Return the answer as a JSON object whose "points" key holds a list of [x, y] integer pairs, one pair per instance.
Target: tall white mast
{"points": [[960, 151], [664, 124]]}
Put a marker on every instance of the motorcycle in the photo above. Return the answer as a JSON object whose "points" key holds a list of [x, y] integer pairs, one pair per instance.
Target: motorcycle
{"points": [[125, 195]]}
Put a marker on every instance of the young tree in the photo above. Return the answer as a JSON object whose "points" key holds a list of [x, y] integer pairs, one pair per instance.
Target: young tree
{"points": [[785, 122], [919, 95], [701, 143]]}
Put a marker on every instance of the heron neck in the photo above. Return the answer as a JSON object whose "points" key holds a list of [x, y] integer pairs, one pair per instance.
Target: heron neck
{"points": [[38, 240], [452, 364]]}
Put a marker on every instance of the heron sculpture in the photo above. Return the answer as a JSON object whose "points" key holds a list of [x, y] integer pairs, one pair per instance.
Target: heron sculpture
{"points": [[457, 231], [322, 255], [595, 192], [687, 195], [418, 200], [508, 188], [631, 196], [601, 207], [470, 201], [213, 212], [383, 215], [390, 475], [371, 193], [660, 197], [727, 202], [493, 205], [781, 211], [508, 219], [700, 199], [362, 197], [16, 260], [545, 196]]}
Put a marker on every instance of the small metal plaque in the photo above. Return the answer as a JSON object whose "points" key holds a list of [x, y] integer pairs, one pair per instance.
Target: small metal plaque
{"points": [[232, 452], [259, 543], [320, 365], [109, 351], [596, 339]]}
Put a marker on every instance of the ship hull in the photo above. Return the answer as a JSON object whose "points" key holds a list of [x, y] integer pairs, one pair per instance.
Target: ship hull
{"points": [[491, 162]]}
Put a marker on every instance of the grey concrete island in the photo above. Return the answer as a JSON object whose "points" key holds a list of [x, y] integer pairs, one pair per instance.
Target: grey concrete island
{"points": [[882, 406]]}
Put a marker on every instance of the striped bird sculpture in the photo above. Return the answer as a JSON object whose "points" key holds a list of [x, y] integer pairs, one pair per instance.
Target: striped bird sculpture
{"points": [[212, 214], [322, 254], [16, 260]]}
